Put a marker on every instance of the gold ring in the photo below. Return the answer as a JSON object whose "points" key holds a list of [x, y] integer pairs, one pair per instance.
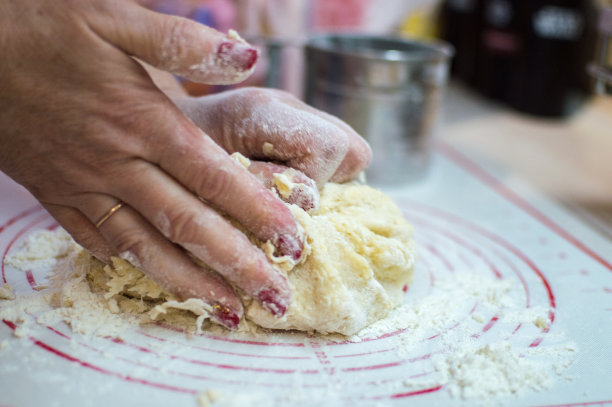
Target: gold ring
{"points": [[108, 214]]}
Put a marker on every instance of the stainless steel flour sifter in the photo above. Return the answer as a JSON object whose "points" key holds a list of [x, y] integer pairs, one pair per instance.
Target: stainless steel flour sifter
{"points": [[388, 89]]}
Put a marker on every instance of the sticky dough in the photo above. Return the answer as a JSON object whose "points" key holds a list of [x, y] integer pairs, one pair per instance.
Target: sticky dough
{"points": [[360, 256]]}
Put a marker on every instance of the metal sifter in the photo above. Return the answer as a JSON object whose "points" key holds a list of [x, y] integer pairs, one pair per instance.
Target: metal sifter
{"points": [[388, 89]]}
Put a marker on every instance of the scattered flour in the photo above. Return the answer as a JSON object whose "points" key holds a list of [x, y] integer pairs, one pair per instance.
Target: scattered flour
{"points": [[41, 249], [6, 292], [209, 397], [467, 367], [484, 371], [218, 398], [470, 367]]}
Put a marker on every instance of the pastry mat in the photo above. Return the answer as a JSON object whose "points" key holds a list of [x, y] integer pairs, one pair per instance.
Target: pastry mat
{"points": [[468, 215]]}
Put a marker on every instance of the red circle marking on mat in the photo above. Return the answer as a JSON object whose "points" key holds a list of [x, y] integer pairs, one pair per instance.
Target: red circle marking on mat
{"points": [[496, 185], [99, 369], [11, 221], [434, 254]]}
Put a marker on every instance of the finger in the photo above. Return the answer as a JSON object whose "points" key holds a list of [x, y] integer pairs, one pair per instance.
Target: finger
{"points": [[358, 155], [82, 230], [291, 185], [271, 126], [207, 170], [188, 222], [177, 44], [139, 243]]}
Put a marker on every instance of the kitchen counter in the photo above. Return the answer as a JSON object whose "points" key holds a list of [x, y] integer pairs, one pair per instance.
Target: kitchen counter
{"points": [[569, 159]]}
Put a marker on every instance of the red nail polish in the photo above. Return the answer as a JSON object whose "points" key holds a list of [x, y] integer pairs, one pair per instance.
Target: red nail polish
{"points": [[225, 316], [303, 198], [239, 55], [287, 245], [270, 299]]}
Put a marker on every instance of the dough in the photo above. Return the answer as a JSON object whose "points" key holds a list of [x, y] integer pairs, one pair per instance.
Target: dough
{"points": [[361, 255]]}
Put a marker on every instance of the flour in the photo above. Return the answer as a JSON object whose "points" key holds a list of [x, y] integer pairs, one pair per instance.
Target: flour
{"points": [[41, 250], [217, 398], [466, 367], [489, 370], [209, 398], [68, 297], [6, 292]]}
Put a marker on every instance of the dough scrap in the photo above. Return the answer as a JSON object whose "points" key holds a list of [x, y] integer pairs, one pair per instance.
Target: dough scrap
{"points": [[361, 255]]}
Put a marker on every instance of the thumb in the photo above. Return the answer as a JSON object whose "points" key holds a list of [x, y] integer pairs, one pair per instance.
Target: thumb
{"points": [[176, 44]]}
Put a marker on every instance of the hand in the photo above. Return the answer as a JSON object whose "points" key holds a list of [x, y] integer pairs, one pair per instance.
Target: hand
{"points": [[83, 126], [271, 125]]}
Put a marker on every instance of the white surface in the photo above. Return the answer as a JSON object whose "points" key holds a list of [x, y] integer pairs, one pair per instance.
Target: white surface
{"points": [[466, 219]]}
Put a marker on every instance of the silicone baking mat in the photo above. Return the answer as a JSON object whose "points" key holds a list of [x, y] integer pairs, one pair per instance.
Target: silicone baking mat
{"points": [[467, 216]]}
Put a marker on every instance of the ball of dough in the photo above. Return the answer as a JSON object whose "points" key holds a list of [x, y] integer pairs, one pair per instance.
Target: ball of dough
{"points": [[361, 256]]}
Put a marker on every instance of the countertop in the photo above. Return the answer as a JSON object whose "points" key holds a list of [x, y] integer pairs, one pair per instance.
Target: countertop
{"points": [[569, 159]]}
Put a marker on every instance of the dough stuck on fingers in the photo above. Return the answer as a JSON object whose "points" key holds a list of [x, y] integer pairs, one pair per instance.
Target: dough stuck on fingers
{"points": [[359, 256], [291, 185]]}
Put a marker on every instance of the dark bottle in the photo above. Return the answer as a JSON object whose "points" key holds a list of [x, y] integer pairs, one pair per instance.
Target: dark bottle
{"points": [[552, 61], [499, 47], [460, 24]]}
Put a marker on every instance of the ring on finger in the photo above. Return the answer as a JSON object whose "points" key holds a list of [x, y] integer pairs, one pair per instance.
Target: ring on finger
{"points": [[108, 214]]}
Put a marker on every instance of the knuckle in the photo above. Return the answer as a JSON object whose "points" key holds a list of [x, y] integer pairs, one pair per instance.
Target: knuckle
{"points": [[252, 92], [252, 96], [359, 155], [364, 156], [129, 240], [335, 143], [342, 141], [215, 185], [181, 226], [178, 26]]}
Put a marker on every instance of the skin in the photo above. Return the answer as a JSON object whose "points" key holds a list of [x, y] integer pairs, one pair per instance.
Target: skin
{"points": [[88, 118]]}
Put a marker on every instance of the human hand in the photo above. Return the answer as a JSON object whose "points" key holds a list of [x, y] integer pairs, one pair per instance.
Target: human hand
{"points": [[272, 125], [83, 127]]}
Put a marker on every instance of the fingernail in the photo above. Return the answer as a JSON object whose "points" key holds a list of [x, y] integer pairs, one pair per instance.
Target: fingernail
{"points": [[288, 245], [273, 302], [306, 198], [225, 316], [237, 54]]}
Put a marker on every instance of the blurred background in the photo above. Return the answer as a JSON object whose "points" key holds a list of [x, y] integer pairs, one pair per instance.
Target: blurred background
{"points": [[529, 55], [522, 98]]}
